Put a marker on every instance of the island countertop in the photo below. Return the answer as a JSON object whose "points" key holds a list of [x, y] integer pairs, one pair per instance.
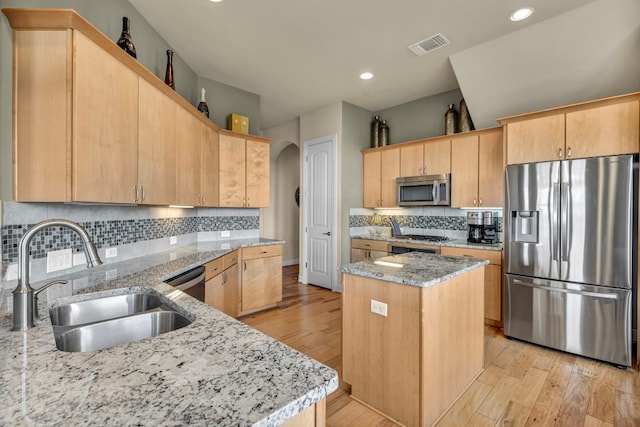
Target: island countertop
{"points": [[414, 268], [216, 371]]}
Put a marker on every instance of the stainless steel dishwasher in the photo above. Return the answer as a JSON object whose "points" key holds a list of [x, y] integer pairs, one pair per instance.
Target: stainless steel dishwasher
{"points": [[191, 282]]}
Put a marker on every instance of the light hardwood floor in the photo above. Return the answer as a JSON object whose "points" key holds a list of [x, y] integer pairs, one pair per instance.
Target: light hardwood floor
{"points": [[522, 384]]}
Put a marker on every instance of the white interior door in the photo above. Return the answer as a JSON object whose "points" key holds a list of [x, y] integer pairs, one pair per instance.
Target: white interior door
{"points": [[319, 207]]}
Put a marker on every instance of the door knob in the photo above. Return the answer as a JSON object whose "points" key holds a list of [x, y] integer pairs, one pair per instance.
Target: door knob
{"points": [[328, 233]]}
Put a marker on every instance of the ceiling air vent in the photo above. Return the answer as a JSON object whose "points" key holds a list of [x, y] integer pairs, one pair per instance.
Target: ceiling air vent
{"points": [[427, 45]]}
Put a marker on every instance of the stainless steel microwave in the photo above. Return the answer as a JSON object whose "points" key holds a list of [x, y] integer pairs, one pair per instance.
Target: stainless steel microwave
{"points": [[425, 190]]}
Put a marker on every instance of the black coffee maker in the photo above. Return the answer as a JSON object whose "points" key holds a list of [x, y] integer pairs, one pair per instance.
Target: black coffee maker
{"points": [[481, 227]]}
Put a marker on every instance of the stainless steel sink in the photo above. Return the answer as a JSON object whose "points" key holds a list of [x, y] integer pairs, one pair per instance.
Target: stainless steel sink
{"points": [[96, 310], [109, 333]]}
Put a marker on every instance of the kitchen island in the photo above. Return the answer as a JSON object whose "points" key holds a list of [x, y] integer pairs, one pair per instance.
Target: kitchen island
{"points": [[413, 334], [215, 371]]}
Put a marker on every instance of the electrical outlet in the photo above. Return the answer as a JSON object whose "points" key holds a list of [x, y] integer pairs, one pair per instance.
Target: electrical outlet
{"points": [[59, 260], [79, 259], [378, 307], [173, 240], [225, 233], [111, 252], [112, 274]]}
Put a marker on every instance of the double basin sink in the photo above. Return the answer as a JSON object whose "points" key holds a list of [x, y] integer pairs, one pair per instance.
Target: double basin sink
{"points": [[114, 320]]}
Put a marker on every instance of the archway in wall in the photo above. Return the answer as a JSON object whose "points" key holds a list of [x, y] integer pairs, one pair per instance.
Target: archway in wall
{"points": [[286, 212]]}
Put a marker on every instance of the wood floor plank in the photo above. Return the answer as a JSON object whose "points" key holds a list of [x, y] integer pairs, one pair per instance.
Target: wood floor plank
{"points": [[522, 384]]}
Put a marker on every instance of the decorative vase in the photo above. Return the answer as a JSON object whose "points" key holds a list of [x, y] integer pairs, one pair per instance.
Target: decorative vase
{"points": [[466, 124], [384, 134], [168, 75], [450, 120], [125, 41], [202, 106], [375, 132]]}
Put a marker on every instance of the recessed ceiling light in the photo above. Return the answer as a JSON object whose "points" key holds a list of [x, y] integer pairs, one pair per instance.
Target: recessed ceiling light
{"points": [[215, 1], [366, 76], [521, 14]]}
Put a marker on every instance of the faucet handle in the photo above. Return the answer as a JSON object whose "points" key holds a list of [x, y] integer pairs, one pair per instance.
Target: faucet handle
{"points": [[36, 292]]}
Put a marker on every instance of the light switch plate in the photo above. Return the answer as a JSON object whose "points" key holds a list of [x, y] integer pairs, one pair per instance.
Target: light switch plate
{"points": [[111, 252], [173, 240], [378, 307], [59, 260], [225, 233]]}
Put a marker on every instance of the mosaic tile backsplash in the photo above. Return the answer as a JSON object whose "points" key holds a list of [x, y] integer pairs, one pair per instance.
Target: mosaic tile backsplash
{"points": [[456, 223], [118, 232]]}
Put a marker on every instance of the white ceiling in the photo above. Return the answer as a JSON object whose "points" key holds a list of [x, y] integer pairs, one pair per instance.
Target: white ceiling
{"points": [[299, 55]]}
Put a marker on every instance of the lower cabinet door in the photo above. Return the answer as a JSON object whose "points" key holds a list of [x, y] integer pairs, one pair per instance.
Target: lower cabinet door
{"points": [[231, 294], [261, 282]]}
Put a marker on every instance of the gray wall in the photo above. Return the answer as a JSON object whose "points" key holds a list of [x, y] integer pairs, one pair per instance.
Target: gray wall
{"points": [[355, 138], [422, 118]]}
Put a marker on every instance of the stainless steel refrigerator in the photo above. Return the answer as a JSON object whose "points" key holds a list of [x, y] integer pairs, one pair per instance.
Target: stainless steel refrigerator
{"points": [[570, 255]]}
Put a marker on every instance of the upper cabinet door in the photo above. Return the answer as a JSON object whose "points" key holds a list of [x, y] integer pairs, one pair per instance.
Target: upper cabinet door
{"points": [[490, 170], [371, 179], [156, 147], [411, 160], [603, 131], [232, 171], [390, 168], [437, 157], [535, 140], [105, 126], [209, 166], [257, 165], [188, 134], [464, 171]]}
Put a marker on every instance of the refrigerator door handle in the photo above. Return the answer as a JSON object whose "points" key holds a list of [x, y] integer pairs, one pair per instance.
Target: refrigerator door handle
{"points": [[555, 242], [565, 291], [565, 221]]}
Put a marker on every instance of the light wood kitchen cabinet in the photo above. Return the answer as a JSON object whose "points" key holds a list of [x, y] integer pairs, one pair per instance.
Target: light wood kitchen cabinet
{"points": [[367, 250], [381, 168], [243, 171], [188, 159], [598, 128], [477, 169], [222, 287], [261, 277], [429, 158], [156, 155], [492, 280], [209, 166]]}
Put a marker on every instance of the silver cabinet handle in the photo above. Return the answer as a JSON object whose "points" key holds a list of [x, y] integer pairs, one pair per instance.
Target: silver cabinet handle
{"points": [[214, 269], [135, 194], [143, 195], [475, 202], [560, 153], [480, 201], [245, 265], [569, 152]]}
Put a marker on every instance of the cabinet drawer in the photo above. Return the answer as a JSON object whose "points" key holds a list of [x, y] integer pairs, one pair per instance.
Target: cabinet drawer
{"points": [[230, 259], [213, 268], [253, 252], [374, 245], [494, 257]]}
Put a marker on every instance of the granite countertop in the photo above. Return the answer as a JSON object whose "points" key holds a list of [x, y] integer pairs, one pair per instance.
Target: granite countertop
{"points": [[216, 371], [414, 268], [456, 243]]}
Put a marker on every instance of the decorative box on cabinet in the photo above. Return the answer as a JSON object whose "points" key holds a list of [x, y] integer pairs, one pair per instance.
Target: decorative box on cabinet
{"points": [[492, 280], [261, 277]]}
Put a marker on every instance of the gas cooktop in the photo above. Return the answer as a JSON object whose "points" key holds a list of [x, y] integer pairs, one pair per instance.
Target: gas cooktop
{"points": [[424, 237]]}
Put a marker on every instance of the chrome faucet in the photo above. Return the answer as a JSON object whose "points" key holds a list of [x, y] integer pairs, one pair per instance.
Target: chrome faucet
{"points": [[23, 294]]}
